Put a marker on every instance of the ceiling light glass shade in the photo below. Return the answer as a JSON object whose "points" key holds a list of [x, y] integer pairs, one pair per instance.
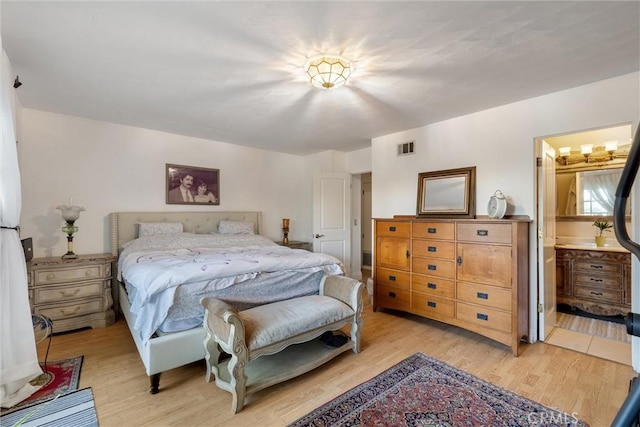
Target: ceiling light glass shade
{"points": [[328, 71]]}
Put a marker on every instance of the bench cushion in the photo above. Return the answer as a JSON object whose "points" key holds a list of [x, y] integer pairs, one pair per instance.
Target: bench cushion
{"points": [[276, 322]]}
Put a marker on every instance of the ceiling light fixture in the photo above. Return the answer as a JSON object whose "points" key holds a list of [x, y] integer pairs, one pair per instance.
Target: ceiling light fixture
{"points": [[328, 71]]}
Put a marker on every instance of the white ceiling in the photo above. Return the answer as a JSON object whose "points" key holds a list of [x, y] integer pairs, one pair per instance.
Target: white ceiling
{"points": [[232, 71]]}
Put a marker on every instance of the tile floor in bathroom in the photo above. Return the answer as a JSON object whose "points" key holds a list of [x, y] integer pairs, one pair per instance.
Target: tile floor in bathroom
{"points": [[617, 351]]}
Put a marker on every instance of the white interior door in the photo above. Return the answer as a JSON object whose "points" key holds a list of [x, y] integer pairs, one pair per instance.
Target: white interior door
{"points": [[331, 216], [547, 239]]}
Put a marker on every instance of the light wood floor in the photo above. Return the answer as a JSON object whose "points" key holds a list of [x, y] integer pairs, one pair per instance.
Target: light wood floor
{"points": [[587, 386]]}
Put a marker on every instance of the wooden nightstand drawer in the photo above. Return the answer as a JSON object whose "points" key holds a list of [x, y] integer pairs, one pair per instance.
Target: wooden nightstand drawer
{"points": [[63, 311], [62, 275], [484, 316], [64, 293], [489, 296], [431, 306]]}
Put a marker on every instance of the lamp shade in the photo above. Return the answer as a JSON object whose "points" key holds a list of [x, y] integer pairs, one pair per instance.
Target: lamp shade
{"points": [[328, 71]]}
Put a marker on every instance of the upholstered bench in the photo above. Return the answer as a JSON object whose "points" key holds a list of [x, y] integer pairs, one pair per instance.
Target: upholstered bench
{"points": [[284, 333]]}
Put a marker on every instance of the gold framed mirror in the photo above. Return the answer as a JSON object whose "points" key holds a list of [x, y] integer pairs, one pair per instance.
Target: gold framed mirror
{"points": [[447, 193]]}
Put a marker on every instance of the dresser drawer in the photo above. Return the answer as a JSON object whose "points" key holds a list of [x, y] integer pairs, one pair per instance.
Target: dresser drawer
{"points": [[597, 267], [597, 280], [434, 267], [393, 278], [488, 296], [484, 317], [433, 286], [432, 306], [598, 294], [63, 293], [433, 249], [389, 297], [61, 275], [484, 232], [393, 228], [63, 311], [434, 230]]}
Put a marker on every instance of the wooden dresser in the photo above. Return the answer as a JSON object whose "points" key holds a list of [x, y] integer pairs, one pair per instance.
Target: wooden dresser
{"points": [[72, 293], [594, 281], [471, 273]]}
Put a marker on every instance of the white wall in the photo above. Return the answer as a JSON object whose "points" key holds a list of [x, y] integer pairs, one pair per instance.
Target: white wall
{"points": [[107, 168], [500, 143]]}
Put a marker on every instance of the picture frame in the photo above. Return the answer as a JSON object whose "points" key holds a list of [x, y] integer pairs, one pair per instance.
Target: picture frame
{"points": [[447, 193], [192, 185]]}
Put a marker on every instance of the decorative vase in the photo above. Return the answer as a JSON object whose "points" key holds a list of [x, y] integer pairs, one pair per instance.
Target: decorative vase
{"points": [[600, 240]]}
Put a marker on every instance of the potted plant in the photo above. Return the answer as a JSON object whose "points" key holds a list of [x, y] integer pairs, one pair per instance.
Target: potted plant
{"points": [[602, 225]]}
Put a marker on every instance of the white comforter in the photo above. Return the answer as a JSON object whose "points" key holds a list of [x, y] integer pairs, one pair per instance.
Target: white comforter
{"points": [[152, 267]]}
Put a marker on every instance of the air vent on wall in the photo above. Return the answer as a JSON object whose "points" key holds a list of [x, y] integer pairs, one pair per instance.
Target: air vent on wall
{"points": [[405, 148]]}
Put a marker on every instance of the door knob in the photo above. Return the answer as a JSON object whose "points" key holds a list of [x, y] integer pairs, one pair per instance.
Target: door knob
{"points": [[317, 236]]}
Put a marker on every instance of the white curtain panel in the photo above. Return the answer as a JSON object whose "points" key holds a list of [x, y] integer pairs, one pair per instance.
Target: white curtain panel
{"points": [[18, 356]]}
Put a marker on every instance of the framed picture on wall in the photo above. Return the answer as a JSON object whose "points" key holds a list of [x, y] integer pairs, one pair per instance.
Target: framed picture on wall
{"points": [[447, 193], [191, 185]]}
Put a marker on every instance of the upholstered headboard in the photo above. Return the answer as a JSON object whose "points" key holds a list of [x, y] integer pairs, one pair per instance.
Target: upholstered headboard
{"points": [[124, 224]]}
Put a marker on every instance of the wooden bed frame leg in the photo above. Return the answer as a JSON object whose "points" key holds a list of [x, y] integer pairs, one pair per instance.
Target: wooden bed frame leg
{"points": [[155, 383]]}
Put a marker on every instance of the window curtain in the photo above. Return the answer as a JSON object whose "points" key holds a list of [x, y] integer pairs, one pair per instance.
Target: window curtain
{"points": [[18, 356], [602, 186]]}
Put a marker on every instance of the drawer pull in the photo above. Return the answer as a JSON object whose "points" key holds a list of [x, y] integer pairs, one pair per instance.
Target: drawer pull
{"points": [[595, 280], [432, 267], [459, 260], [75, 310], [432, 285], [596, 293], [595, 266], [432, 230], [431, 304], [408, 254], [482, 316], [69, 294], [392, 229], [482, 232], [392, 294], [432, 249], [392, 278], [50, 276], [483, 295]]}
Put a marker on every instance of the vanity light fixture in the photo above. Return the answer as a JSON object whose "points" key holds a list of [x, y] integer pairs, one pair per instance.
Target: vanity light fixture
{"points": [[611, 147], [328, 71], [565, 152], [586, 151]]}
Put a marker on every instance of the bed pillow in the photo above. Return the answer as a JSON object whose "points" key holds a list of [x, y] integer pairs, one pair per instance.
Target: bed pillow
{"points": [[154, 228], [235, 227]]}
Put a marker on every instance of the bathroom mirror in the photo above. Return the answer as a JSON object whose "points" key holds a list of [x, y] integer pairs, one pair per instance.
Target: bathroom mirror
{"points": [[587, 193], [447, 193]]}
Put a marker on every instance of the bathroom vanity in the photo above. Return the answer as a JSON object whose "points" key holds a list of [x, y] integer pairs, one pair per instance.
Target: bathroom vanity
{"points": [[595, 280]]}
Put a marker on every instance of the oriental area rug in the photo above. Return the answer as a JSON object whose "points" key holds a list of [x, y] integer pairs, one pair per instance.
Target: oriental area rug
{"points": [[60, 377], [421, 391]]}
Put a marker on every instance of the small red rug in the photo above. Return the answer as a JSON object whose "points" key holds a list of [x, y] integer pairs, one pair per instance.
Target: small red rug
{"points": [[61, 377]]}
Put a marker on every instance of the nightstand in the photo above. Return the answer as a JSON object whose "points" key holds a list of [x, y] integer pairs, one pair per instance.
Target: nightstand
{"points": [[73, 293], [296, 244]]}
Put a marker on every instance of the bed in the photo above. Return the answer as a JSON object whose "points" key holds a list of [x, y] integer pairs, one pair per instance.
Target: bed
{"points": [[167, 261]]}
